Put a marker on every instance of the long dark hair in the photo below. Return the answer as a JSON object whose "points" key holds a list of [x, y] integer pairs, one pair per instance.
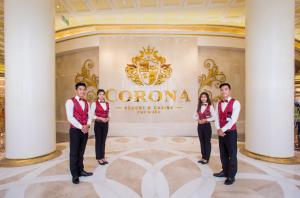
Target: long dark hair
{"points": [[200, 102]]}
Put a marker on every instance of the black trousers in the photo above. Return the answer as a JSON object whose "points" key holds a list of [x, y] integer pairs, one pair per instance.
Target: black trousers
{"points": [[228, 152], [101, 130], [204, 134], [78, 142]]}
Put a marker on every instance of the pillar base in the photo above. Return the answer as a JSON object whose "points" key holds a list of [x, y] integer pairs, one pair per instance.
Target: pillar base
{"points": [[289, 160], [25, 162]]}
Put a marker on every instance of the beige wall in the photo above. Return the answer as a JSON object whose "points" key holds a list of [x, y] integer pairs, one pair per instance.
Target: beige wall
{"points": [[67, 66], [181, 53], [230, 61]]}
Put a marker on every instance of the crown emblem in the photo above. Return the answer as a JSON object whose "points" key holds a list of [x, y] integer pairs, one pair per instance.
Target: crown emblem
{"points": [[148, 68]]}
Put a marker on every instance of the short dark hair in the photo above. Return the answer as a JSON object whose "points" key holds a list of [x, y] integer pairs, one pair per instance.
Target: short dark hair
{"points": [[99, 91], [225, 84], [79, 84]]}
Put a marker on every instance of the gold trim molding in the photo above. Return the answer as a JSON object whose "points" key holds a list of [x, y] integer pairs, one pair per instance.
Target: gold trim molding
{"points": [[290, 160], [25, 162], [194, 30], [181, 30], [2, 68]]}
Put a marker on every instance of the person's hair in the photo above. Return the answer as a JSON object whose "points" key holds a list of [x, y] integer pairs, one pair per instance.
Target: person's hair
{"points": [[79, 85], [99, 91], [200, 102], [225, 84]]}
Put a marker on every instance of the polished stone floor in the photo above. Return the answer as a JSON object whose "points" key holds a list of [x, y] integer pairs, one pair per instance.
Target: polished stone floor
{"points": [[150, 167]]}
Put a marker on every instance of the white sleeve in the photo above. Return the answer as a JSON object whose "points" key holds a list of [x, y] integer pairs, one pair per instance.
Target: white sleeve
{"points": [[109, 112], [212, 114], [196, 116], [234, 117], [90, 119], [217, 120], [69, 110], [92, 111]]}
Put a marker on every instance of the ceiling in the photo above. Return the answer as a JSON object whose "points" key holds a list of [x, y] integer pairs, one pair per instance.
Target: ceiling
{"points": [[80, 12], [71, 13]]}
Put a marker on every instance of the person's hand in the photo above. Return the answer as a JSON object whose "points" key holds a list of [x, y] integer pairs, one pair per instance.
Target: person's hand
{"points": [[85, 128], [202, 121], [101, 119], [221, 133]]}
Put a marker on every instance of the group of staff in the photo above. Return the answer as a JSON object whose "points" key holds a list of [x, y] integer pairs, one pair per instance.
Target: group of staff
{"points": [[225, 115]]}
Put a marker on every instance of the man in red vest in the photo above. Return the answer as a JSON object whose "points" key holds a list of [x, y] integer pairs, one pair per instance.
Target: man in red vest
{"points": [[227, 113], [77, 109]]}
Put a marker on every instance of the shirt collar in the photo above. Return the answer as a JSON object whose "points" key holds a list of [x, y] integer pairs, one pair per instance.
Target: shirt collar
{"points": [[77, 97], [228, 99], [100, 101]]}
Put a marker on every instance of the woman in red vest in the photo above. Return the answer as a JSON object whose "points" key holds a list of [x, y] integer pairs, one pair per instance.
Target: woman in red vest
{"points": [[100, 113], [204, 115]]}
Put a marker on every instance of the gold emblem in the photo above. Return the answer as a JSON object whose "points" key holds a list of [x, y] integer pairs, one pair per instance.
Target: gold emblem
{"points": [[148, 68]]}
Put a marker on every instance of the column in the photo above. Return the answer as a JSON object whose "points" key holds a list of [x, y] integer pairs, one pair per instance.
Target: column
{"points": [[270, 77], [30, 78]]}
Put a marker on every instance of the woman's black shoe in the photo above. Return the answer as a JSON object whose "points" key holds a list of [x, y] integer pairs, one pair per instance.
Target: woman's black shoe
{"points": [[202, 161], [101, 163]]}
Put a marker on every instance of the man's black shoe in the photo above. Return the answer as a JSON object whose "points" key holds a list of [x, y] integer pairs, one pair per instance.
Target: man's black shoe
{"points": [[75, 180], [203, 162], [85, 174], [229, 181], [220, 174]]}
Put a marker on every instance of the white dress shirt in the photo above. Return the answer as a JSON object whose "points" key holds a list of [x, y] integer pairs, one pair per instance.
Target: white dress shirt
{"points": [[93, 109], [234, 117], [69, 110], [203, 108]]}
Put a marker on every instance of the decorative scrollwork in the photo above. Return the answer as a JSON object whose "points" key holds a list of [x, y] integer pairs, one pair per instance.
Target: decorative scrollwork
{"points": [[213, 79], [91, 80]]}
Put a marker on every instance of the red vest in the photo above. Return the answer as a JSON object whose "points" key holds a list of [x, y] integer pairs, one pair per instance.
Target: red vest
{"points": [[79, 114], [227, 113], [206, 113], [100, 112]]}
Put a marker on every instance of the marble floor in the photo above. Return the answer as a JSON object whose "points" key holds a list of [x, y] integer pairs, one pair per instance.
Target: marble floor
{"points": [[150, 167]]}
